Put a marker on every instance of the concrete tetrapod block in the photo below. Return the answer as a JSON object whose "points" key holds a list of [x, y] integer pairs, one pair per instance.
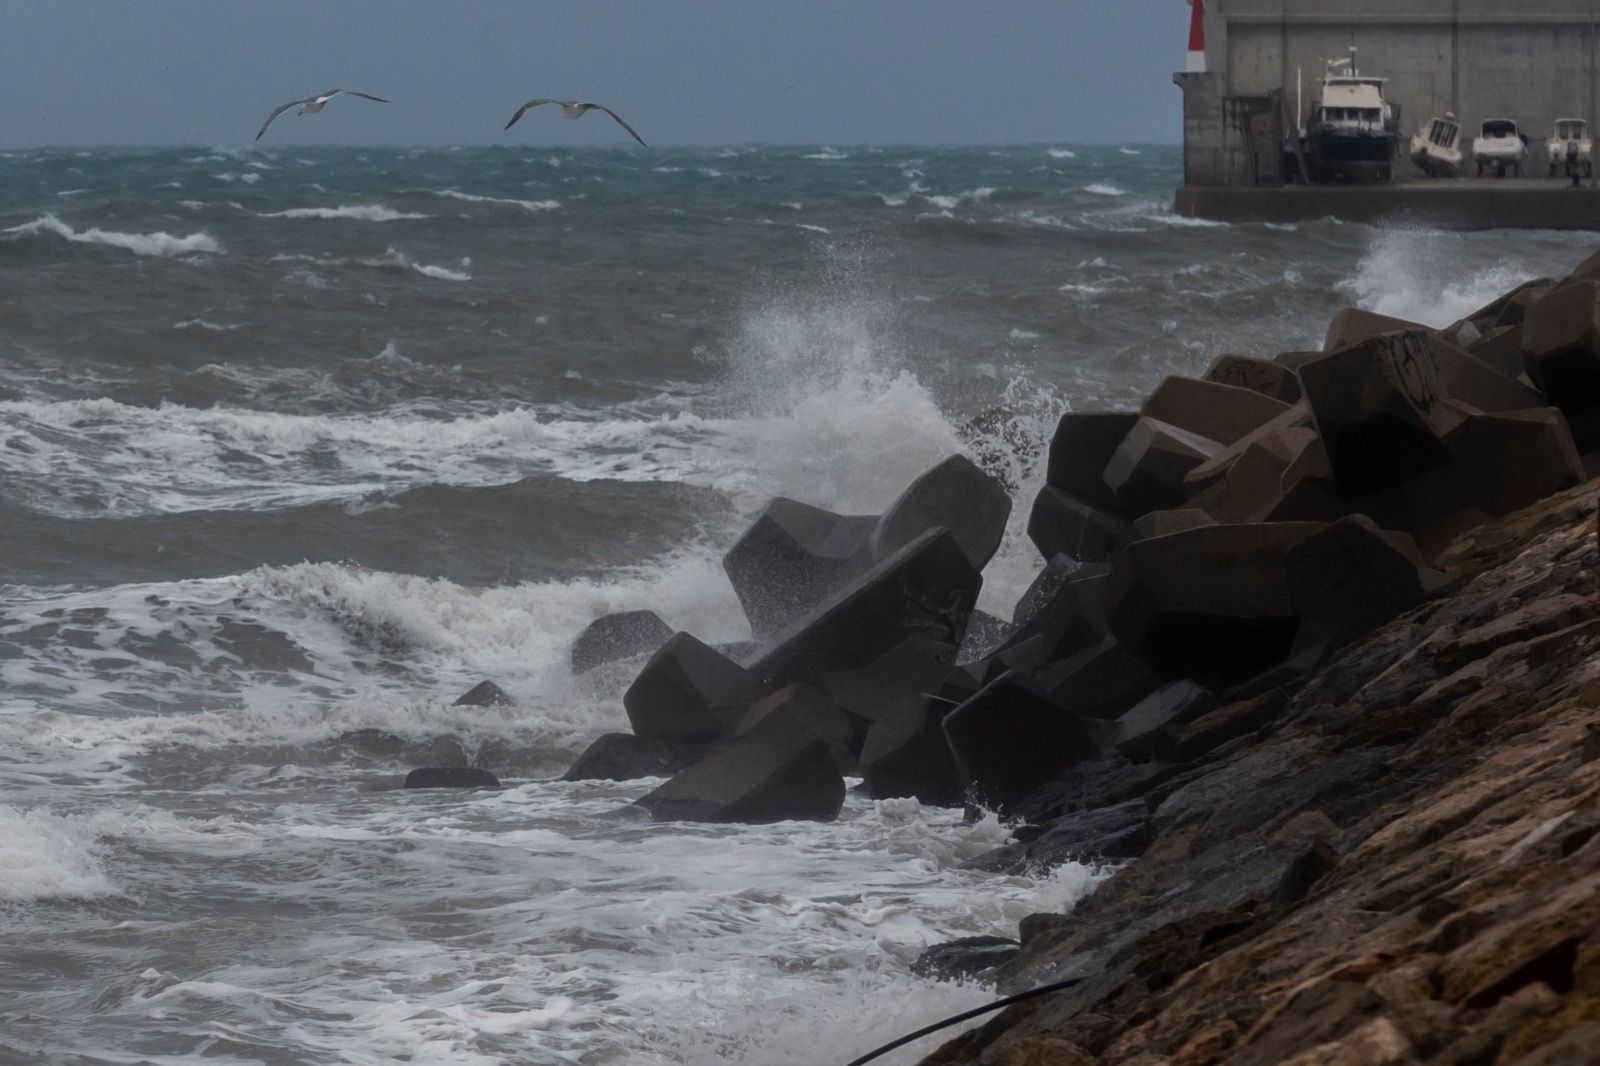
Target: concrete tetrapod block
{"points": [[624, 757], [1210, 409], [1212, 604], [484, 694], [779, 771], [1284, 436], [1380, 410], [919, 663], [1160, 523], [792, 558], [1258, 375], [1350, 578], [687, 690], [618, 636], [1072, 620], [1010, 738], [1099, 682], [1142, 725], [927, 588], [1561, 350], [1079, 451], [1353, 326], [1509, 308], [955, 494], [906, 753], [1058, 570], [1148, 468], [810, 708], [1063, 524], [1500, 349]]}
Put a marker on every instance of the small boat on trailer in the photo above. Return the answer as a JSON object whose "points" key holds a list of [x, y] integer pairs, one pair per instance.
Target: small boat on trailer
{"points": [[1436, 148]]}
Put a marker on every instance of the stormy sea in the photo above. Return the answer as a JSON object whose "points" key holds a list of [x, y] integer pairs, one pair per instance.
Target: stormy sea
{"points": [[298, 445]]}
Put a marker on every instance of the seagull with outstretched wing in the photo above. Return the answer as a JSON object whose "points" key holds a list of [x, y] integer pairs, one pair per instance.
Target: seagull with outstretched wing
{"points": [[573, 109], [312, 104]]}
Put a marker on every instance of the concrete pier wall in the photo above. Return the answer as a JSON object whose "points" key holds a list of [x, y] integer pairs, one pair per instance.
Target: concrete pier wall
{"points": [[1531, 60]]}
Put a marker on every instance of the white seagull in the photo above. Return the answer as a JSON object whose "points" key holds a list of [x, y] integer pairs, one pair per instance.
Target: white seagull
{"points": [[573, 109], [312, 104]]}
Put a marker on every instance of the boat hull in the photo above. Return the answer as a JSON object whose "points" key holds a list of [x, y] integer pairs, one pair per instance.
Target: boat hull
{"points": [[1344, 155]]}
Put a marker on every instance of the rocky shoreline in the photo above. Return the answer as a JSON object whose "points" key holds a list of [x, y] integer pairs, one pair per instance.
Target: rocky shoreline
{"points": [[1313, 653]]}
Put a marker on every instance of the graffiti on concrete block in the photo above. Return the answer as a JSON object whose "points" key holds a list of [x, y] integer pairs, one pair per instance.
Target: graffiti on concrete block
{"points": [[1413, 365]]}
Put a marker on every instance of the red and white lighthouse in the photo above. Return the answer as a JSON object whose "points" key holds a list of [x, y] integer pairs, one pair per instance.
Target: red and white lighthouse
{"points": [[1197, 37]]}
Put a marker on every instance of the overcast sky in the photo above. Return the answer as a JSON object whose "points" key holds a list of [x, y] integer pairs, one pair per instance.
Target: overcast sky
{"points": [[207, 72]]}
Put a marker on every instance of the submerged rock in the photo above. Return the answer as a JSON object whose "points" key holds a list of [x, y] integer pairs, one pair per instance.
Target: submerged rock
{"points": [[451, 777]]}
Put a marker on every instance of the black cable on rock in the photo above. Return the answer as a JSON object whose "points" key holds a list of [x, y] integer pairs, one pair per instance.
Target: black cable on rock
{"points": [[1043, 990]]}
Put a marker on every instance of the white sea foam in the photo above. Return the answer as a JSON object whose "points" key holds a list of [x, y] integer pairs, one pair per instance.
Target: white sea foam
{"points": [[813, 229], [1103, 189], [526, 205], [830, 154], [1405, 275], [202, 324], [160, 243], [1062, 153], [49, 856], [1130, 151], [394, 258], [359, 212]]}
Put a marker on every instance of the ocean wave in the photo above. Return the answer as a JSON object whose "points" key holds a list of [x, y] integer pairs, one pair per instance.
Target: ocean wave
{"points": [[158, 244], [359, 212], [202, 324], [830, 154], [50, 856], [393, 258], [1403, 275], [526, 205], [1061, 153], [1103, 189]]}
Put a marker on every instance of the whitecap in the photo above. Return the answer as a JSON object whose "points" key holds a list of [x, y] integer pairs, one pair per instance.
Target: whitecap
{"points": [[1102, 189], [1024, 335], [1062, 153], [813, 229], [200, 323], [1130, 151], [831, 154], [526, 205], [160, 243], [361, 212]]}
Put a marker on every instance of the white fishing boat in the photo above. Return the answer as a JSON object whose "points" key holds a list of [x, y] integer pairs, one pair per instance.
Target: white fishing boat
{"points": [[1571, 143], [1354, 130], [1436, 148]]}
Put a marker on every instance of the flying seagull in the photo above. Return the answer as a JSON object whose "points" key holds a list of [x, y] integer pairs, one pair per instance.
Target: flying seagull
{"points": [[312, 104], [573, 109]]}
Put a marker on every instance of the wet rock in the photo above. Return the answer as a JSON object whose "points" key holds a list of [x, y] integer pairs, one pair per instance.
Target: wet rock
{"points": [[484, 694], [1010, 738], [906, 753], [792, 558], [1210, 409], [618, 636], [624, 757], [688, 690], [1259, 375], [955, 495], [451, 777], [1063, 524], [776, 772], [1071, 621], [1212, 604], [925, 589], [1317, 861], [964, 959], [380, 744]]}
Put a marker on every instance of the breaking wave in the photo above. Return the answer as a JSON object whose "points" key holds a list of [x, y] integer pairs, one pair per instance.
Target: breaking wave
{"points": [[159, 244]]}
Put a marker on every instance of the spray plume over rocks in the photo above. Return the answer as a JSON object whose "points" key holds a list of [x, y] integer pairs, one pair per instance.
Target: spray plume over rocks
{"points": [[1311, 650]]}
